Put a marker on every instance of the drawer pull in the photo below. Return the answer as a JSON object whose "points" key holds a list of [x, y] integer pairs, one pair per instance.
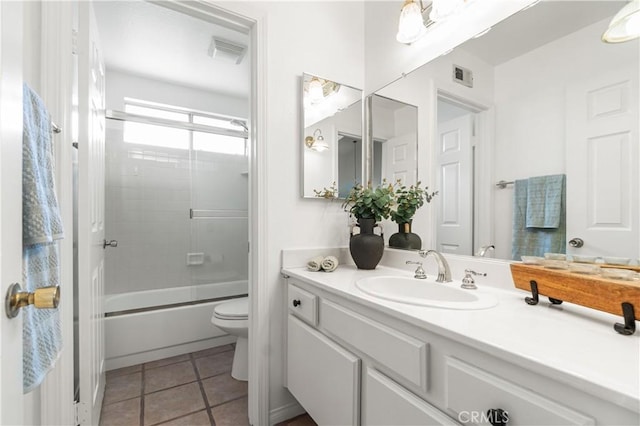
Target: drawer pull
{"points": [[498, 417], [296, 303]]}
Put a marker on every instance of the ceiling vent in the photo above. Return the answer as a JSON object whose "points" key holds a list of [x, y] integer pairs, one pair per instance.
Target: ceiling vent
{"points": [[226, 50]]}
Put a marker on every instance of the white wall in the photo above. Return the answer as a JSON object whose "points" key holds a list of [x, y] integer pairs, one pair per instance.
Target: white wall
{"points": [[120, 85], [298, 41], [531, 112]]}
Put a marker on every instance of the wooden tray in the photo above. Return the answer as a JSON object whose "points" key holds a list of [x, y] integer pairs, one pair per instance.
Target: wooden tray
{"points": [[592, 291]]}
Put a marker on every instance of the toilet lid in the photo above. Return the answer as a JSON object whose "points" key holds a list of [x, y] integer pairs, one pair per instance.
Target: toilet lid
{"points": [[234, 309]]}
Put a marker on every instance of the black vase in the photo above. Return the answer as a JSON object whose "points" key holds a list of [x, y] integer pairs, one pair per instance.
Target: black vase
{"points": [[366, 247], [404, 238]]}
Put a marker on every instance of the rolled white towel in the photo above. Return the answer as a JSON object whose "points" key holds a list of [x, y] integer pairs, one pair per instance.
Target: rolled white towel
{"points": [[330, 263], [315, 264]]}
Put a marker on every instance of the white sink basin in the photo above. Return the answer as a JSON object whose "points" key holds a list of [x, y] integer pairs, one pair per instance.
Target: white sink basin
{"points": [[425, 293]]}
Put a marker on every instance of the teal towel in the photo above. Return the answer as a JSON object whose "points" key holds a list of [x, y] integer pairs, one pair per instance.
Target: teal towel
{"points": [[535, 241], [544, 201], [42, 226]]}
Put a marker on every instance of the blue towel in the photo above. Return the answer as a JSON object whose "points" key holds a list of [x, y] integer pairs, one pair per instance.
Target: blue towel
{"points": [[42, 226], [531, 241], [544, 201], [41, 217]]}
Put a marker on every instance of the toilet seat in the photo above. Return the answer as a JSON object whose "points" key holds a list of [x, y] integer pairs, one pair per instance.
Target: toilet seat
{"points": [[232, 310]]}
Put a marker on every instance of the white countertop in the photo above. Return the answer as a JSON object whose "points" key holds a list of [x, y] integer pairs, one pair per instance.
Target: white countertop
{"points": [[568, 343]]}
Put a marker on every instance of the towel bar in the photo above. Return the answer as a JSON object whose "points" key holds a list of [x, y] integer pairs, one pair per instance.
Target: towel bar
{"points": [[503, 184]]}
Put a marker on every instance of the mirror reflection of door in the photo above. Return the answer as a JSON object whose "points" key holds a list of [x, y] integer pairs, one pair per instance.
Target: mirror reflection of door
{"points": [[349, 163], [455, 164], [395, 141]]}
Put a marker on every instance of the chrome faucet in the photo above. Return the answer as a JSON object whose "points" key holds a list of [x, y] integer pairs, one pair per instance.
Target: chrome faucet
{"points": [[484, 249], [444, 272]]}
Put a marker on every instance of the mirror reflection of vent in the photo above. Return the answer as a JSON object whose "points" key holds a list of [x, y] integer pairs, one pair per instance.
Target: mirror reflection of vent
{"points": [[226, 50]]}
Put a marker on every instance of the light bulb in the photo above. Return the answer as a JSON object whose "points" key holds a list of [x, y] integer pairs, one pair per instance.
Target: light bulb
{"points": [[441, 9], [625, 25], [316, 94], [411, 25], [320, 145]]}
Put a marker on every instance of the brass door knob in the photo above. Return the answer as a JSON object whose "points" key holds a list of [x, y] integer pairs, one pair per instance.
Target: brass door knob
{"points": [[42, 298]]}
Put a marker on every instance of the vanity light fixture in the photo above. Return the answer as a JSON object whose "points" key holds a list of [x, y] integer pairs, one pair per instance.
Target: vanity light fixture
{"points": [[625, 25], [318, 89], [442, 9], [411, 25], [316, 94], [316, 142]]}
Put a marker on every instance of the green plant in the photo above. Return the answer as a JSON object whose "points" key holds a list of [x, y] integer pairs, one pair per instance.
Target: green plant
{"points": [[328, 193], [370, 203], [408, 200]]}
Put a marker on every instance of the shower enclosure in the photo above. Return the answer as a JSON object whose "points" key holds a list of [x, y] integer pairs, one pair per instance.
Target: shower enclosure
{"points": [[177, 204]]}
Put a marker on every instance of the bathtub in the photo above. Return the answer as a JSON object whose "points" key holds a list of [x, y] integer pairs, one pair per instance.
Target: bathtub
{"points": [[148, 325]]}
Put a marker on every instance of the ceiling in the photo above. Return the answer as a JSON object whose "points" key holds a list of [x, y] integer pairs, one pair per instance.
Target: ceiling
{"points": [[152, 41], [537, 26]]}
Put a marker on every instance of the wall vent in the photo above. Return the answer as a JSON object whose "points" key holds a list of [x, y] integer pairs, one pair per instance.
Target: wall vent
{"points": [[226, 50], [462, 75]]}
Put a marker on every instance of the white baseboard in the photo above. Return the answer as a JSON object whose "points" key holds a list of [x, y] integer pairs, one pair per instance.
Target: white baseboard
{"points": [[148, 356], [285, 412]]}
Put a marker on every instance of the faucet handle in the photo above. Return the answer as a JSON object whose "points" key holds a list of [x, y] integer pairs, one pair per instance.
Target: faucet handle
{"points": [[468, 282], [419, 274], [472, 272]]}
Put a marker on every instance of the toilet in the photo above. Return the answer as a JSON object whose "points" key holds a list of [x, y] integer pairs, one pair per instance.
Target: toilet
{"points": [[233, 318]]}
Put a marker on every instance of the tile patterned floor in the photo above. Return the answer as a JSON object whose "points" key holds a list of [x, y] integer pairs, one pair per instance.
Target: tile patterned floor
{"points": [[192, 389]]}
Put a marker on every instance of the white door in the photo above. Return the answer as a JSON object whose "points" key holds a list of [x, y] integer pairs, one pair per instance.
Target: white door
{"points": [[11, 400], [602, 150], [91, 106], [455, 198], [400, 162], [322, 376]]}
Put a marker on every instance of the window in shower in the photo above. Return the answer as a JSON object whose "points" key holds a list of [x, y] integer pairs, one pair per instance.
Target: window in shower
{"points": [[177, 202]]}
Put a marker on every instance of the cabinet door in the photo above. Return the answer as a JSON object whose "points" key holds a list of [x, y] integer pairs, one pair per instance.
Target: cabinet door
{"points": [[387, 403], [322, 376], [472, 392]]}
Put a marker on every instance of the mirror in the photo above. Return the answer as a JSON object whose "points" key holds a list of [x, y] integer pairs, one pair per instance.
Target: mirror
{"points": [[394, 126], [527, 100], [331, 140]]}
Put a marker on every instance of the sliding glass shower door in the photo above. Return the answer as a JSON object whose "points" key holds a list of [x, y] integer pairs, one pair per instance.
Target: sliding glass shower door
{"points": [[177, 194]]}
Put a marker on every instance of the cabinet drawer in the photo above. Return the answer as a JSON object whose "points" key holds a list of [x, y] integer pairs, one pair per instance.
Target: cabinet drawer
{"points": [[402, 354], [303, 304], [471, 392], [322, 376], [387, 403]]}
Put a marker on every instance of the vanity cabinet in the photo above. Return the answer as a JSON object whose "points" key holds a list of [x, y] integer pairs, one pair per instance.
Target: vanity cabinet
{"points": [[353, 364], [325, 376]]}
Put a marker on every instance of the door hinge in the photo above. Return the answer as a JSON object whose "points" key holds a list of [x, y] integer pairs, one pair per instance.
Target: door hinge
{"points": [[81, 413]]}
